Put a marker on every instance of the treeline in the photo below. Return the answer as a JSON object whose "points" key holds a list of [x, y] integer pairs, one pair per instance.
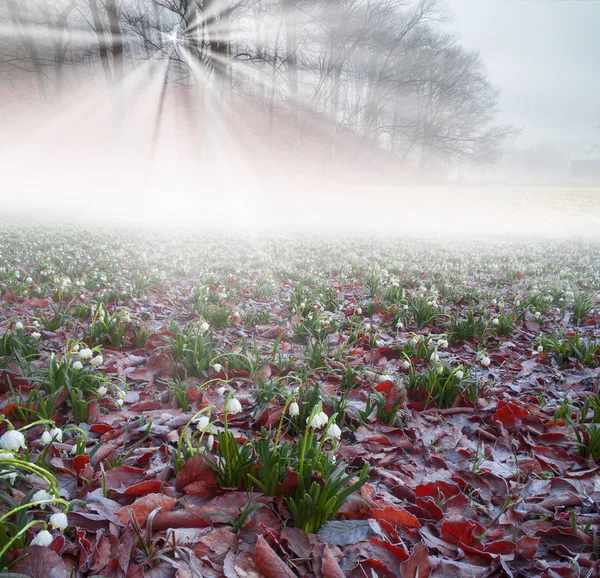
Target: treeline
{"points": [[386, 71]]}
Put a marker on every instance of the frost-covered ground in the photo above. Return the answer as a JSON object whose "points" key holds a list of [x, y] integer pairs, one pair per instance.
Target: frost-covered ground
{"points": [[195, 404]]}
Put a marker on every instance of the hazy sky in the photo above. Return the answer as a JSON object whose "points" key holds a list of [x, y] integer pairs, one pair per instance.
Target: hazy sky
{"points": [[544, 56]]}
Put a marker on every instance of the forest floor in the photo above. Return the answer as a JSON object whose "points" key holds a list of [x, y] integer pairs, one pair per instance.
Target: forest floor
{"points": [[180, 404]]}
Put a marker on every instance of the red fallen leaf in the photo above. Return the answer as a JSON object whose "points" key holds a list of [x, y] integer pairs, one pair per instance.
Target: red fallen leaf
{"points": [[461, 532], [298, 541], [417, 565], [289, 483], [143, 488], [267, 561], [122, 477], [508, 413], [451, 493], [501, 547], [527, 547], [387, 553], [197, 477], [396, 516], [565, 537], [384, 387], [100, 428], [216, 544], [39, 562], [79, 463], [187, 518], [35, 302], [142, 507], [147, 405], [330, 568]]}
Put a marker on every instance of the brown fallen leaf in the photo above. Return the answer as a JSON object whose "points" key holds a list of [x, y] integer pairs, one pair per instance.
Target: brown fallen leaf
{"points": [[142, 507], [267, 561], [417, 565]]}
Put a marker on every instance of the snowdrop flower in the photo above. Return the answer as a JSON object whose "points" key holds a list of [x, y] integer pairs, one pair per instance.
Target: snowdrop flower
{"points": [[460, 374], [28, 280], [494, 301], [119, 403], [540, 349], [44, 538], [36, 323], [234, 406], [78, 365], [359, 311], [440, 369], [334, 432], [42, 496], [385, 377], [294, 409], [495, 321], [102, 390], [59, 521], [204, 326], [203, 423], [400, 325], [36, 335], [318, 420], [217, 367], [85, 353], [210, 441], [96, 361], [221, 390], [485, 361], [46, 438], [56, 434], [7, 456], [406, 364], [18, 325], [12, 440]]}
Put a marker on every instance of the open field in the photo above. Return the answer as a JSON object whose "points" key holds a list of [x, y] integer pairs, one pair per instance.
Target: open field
{"points": [[184, 404]]}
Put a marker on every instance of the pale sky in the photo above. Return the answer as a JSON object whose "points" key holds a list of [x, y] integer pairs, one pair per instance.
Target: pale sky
{"points": [[544, 56]]}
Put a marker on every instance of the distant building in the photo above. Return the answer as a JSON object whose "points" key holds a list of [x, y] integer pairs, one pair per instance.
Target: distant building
{"points": [[586, 169]]}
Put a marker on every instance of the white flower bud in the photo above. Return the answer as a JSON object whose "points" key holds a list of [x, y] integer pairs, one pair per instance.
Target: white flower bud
{"points": [[44, 538]]}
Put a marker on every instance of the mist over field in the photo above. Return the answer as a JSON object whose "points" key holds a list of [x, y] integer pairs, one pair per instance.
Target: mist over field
{"points": [[414, 116]]}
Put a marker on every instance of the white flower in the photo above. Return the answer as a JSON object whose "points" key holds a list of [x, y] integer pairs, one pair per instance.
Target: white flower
{"points": [[234, 406], [7, 456], [77, 365], [460, 374], [36, 335], [28, 280], [18, 325], [204, 326], [96, 361], [318, 420], [203, 422], [406, 364], [210, 441], [294, 409], [485, 361], [42, 496], [12, 440], [119, 403], [44, 538], [85, 353], [56, 434], [495, 321], [59, 521], [46, 438], [359, 311], [333, 431], [221, 390], [442, 343], [540, 349], [36, 323], [217, 367], [102, 390]]}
